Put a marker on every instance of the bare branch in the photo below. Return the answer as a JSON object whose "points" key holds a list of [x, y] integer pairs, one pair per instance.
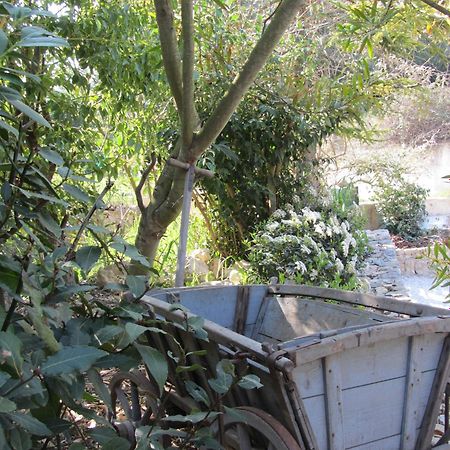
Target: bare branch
{"points": [[437, 7], [169, 49], [187, 112], [70, 253], [284, 16], [140, 185]]}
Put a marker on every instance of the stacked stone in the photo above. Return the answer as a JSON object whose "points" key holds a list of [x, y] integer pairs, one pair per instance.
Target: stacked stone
{"points": [[382, 270]]}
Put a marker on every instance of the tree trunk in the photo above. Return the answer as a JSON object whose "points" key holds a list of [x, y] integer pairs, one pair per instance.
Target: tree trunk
{"points": [[168, 194]]}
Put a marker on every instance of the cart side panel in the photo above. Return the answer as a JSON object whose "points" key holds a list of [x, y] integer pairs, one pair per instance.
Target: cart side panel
{"points": [[301, 317], [356, 398], [215, 303]]}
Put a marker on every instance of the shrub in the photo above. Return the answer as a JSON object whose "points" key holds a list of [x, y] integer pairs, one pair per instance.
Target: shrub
{"points": [[309, 247], [401, 205]]}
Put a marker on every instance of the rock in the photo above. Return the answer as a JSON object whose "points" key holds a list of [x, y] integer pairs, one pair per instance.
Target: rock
{"points": [[235, 277], [202, 254], [196, 267], [110, 274]]}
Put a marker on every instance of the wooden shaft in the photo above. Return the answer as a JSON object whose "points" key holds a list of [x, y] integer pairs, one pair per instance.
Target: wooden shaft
{"points": [[184, 227]]}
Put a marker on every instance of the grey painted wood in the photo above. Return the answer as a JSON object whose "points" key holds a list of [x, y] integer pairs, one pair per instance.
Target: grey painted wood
{"points": [[334, 403], [260, 317], [315, 408], [412, 409], [432, 409], [389, 443], [372, 335], [309, 379], [301, 317], [241, 309], [373, 412], [382, 303]]}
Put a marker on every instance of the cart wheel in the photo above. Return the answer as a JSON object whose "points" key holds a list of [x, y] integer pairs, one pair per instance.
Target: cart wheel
{"points": [[134, 399], [256, 430]]}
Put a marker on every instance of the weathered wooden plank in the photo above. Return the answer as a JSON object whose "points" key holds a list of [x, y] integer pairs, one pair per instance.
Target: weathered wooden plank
{"points": [[411, 410], [376, 302], [302, 317], [371, 335], [388, 443], [315, 409], [373, 412], [434, 401], [334, 404], [309, 379], [260, 317], [241, 310]]}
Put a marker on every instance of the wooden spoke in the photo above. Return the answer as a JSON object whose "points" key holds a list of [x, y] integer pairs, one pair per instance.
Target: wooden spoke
{"points": [[255, 430]]}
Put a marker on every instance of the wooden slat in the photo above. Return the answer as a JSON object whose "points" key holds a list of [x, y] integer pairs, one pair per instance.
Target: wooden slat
{"points": [[371, 335], [434, 401], [357, 298], [334, 404], [411, 409], [260, 316], [241, 310]]}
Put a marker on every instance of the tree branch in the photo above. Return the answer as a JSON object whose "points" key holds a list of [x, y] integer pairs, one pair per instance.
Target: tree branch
{"points": [[281, 20], [437, 7], [169, 49], [140, 185], [187, 112]]}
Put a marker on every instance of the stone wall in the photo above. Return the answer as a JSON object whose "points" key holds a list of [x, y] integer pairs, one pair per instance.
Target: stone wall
{"points": [[382, 270], [413, 261]]}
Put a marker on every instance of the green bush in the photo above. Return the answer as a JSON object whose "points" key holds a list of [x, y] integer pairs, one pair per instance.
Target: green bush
{"points": [[401, 205], [309, 247]]}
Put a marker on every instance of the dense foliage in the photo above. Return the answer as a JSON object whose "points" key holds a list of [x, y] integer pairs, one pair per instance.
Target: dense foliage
{"points": [[401, 205], [310, 247]]}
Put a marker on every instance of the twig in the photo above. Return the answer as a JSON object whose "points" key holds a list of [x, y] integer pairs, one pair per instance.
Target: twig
{"points": [[270, 16], [437, 7], [88, 217], [144, 176]]}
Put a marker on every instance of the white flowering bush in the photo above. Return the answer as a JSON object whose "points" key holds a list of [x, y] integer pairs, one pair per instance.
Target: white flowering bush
{"points": [[308, 247]]}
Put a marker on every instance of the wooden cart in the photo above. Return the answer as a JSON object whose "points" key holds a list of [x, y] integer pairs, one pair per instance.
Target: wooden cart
{"points": [[340, 370]]}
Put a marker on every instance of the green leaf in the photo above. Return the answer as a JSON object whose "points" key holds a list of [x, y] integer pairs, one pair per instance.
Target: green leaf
{"points": [[48, 222], [137, 284], [197, 392], [10, 351], [9, 128], [108, 333], [31, 113], [99, 387], [369, 48], [77, 193], [3, 41], [31, 194], [156, 364], [250, 382], [29, 423], [87, 256], [67, 291], [6, 405], [52, 156], [194, 418], [69, 359], [20, 439]]}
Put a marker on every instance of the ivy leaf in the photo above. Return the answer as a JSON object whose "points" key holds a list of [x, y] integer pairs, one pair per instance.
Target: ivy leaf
{"points": [[29, 423], [69, 359], [156, 364], [87, 256]]}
